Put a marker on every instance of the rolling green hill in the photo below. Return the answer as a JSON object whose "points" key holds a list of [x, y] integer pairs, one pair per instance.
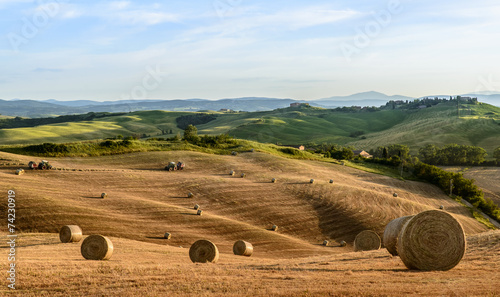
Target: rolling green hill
{"points": [[478, 125]]}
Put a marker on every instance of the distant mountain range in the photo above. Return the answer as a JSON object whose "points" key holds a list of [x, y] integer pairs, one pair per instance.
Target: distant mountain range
{"points": [[44, 108]]}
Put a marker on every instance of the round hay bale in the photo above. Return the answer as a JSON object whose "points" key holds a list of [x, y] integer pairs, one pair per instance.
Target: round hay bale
{"points": [[391, 233], [326, 242], [274, 228], [273, 180], [432, 240], [343, 243], [243, 175], [331, 181], [19, 171], [252, 150], [190, 195], [167, 235], [70, 233], [234, 153], [104, 195], [231, 172], [243, 248], [204, 251], [311, 181], [97, 247], [366, 241], [199, 212], [395, 194], [196, 207], [441, 207]]}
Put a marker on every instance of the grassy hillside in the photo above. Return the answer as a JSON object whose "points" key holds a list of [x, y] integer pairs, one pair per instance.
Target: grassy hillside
{"points": [[438, 125]]}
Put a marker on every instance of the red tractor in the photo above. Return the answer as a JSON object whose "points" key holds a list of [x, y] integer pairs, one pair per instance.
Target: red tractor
{"points": [[44, 165], [173, 166]]}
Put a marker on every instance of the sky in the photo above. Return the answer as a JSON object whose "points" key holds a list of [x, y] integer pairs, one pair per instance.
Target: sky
{"points": [[213, 49]]}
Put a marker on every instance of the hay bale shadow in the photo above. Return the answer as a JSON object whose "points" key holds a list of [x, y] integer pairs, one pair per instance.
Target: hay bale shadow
{"points": [[155, 237], [93, 197]]}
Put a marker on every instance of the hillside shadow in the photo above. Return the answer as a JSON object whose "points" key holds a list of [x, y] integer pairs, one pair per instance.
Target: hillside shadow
{"points": [[189, 214], [335, 221]]}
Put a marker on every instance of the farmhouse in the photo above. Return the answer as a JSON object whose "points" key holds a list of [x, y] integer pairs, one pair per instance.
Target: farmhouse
{"points": [[362, 153], [298, 104]]}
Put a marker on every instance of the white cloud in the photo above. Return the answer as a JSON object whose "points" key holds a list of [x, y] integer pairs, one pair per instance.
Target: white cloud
{"points": [[119, 5], [145, 17], [280, 20]]}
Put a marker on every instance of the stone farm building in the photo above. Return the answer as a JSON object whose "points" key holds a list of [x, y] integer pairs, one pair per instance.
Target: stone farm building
{"points": [[362, 153]]}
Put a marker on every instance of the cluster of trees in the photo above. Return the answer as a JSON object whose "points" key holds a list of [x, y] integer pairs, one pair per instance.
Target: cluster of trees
{"points": [[194, 119], [19, 122], [462, 187], [452, 154], [428, 102], [215, 141], [47, 148]]}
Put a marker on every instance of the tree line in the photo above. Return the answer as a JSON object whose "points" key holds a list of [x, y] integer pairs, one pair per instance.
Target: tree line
{"points": [[398, 156], [19, 122]]}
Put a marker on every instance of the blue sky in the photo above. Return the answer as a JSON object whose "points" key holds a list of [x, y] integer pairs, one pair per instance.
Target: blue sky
{"points": [[112, 50]]}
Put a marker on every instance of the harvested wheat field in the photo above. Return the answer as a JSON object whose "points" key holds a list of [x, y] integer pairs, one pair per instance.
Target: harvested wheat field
{"points": [[144, 200]]}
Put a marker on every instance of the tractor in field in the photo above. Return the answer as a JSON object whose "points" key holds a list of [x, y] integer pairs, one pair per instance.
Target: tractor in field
{"points": [[174, 166], [44, 165]]}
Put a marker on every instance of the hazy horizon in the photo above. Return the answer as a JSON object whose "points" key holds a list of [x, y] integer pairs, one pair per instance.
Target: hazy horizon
{"points": [[215, 49]]}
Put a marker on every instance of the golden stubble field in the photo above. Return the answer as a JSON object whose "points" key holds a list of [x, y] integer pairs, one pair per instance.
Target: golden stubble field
{"points": [[144, 202], [488, 178]]}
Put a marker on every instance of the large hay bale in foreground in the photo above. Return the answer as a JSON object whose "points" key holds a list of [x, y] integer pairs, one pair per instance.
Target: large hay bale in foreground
{"points": [[391, 233], [366, 241], [203, 251], [70, 233], [243, 248], [97, 247], [432, 240]]}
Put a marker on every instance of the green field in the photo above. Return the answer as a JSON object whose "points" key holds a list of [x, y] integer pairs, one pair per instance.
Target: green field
{"points": [[439, 125]]}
